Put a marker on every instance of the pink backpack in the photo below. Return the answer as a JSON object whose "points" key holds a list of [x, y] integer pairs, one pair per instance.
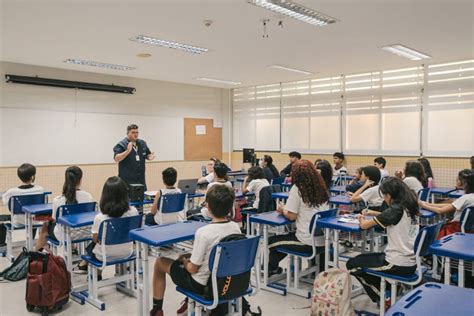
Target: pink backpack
{"points": [[332, 294]]}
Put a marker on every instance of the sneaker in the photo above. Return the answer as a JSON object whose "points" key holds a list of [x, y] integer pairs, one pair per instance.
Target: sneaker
{"points": [[80, 269], [276, 271], [183, 307], [154, 312]]}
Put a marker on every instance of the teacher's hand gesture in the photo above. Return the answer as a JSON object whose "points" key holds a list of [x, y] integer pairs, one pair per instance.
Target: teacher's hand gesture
{"points": [[151, 156]]}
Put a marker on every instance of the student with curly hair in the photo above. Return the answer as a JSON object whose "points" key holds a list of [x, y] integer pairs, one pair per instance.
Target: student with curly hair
{"points": [[307, 196]]}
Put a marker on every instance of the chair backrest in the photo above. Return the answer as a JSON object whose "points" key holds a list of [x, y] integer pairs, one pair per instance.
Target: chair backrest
{"points": [[114, 231], [18, 201], [266, 203], [467, 220], [279, 180], [70, 209], [315, 231], [172, 203], [235, 257], [424, 194], [426, 236]]}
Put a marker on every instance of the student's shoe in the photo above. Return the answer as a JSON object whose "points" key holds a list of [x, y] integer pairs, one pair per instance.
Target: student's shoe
{"points": [[276, 271], [80, 269], [183, 308], [154, 312]]}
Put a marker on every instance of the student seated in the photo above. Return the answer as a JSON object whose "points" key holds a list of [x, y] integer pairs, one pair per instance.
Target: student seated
{"points": [[220, 178], [254, 182], [414, 176], [400, 220], [307, 196], [113, 204], [356, 183], [325, 169], [294, 157], [457, 206], [169, 176], [71, 194], [192, 272], [338, 168], [269, 168], [209, 178], [428, 172], [380, 163], [369, 192], [26, 173]]}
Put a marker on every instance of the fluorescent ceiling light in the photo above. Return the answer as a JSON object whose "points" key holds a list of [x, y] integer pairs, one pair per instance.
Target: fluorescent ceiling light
{"points": [[291, 69], [295, 11], [169, 44], [235, 83], [406, 52], [97, 64]]}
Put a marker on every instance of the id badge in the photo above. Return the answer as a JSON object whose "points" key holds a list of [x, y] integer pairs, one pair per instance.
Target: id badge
{"points": [[137, 158]]}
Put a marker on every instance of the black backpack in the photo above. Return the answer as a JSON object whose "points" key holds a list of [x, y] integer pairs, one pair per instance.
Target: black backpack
{"points": [[19, 268]]}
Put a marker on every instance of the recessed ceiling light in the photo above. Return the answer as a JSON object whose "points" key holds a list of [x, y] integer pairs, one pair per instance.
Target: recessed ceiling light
{"points": [[404, 51], [235, 83], [97, 64], [169, 44], [143, 55], [295, 11], [291, 69]]}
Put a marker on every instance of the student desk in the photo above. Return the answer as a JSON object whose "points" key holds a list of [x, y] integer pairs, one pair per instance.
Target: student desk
{"points": [[31, 211], [338, 189], [343, 179], [236, 173], [456, 246], [265, 220], [333, 224], [456, 194], [240, 195], [428, 217], [280, 196], [431, 299], [439, 191], [156, 236], [191, 197]]}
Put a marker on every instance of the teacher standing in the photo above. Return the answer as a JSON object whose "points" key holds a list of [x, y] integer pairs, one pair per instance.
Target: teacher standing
{"points": [[131, 153]]}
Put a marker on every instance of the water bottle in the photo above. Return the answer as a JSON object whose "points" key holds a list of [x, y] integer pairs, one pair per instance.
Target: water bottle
{"points": [[430, 182]]}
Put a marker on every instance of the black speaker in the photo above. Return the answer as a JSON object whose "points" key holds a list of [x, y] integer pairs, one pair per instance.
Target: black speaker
{"points": [[249, 155], [136, 192]]}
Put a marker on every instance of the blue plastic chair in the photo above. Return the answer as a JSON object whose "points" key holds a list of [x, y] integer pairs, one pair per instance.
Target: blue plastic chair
{"points": [[15, 205], [424, 194], [113, 231], [173, 203], [276, 181], [467, 220], [295, 257], [426, 236], [227, 259]]}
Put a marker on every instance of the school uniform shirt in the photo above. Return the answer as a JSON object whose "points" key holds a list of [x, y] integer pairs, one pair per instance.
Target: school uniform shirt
{"points": [[210, 177], [161, 218], [113, 252], [460, 204], [132, 168], [305, 213], [401, 235], [268, 174], [372, 197], [21, 190], [205, 210], [205, 239], [286, 171], [414, 184], [383, 173], [338, 172], [81, 197], [255, 186]]}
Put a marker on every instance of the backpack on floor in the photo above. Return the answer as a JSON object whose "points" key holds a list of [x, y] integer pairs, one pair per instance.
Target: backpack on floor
{"points": [[332, 294], [48, 283], [18, 269]]}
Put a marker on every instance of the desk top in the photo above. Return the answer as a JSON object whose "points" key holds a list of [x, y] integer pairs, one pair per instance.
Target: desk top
{"points": [[425, 301], [236, 173], [38, 209], [239, 195], [441, 190], [456, 246], [138, 203], [280, 195], [337, 188], [270, 218], [456, 194], [427, 214], [77, 220], [333, 223], [163, 235], [340, 200]]}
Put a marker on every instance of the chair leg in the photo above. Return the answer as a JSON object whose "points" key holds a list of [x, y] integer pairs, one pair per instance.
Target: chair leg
{"points": [[191, 307], [92, 295], [382, 296], [10, 244], [393, 296]]}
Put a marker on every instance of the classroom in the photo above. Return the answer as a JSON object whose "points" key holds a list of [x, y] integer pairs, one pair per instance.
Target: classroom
{"points": [[237, 157]]}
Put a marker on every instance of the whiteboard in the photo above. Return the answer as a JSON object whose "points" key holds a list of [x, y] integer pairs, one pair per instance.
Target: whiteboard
{"points": [[53, 137]]}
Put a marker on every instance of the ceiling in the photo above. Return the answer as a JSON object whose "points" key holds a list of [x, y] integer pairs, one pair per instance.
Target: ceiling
{"points": [[43, 32]]}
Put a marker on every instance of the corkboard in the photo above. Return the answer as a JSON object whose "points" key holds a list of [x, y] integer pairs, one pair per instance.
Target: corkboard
{"points": [[201, 147]]}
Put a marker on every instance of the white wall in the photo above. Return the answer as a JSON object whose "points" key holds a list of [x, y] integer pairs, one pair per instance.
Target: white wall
{"points": [[153, 99]]}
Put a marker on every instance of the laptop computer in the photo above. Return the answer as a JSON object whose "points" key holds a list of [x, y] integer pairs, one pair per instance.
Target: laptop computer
{"points": [[188, 186]]}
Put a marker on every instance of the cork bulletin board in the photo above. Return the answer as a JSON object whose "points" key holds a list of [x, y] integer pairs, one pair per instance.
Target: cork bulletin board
{"points": [[201, 139]]}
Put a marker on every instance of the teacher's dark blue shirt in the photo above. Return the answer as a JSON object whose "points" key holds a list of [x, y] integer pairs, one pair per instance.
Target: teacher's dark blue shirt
{"points": [[131, 169]]}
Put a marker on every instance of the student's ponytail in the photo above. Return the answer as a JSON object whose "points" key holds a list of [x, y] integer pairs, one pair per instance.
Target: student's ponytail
{"points": [[401, 194], [73, 177]]}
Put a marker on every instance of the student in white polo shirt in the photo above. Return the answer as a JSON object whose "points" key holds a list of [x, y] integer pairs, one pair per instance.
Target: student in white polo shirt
{"points": [[210, 177], [400, 220], [254, 182], [369, 192]]}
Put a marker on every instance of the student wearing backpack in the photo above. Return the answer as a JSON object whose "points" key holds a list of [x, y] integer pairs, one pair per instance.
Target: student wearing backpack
{"points": [[400, 220], [307, 196]]}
